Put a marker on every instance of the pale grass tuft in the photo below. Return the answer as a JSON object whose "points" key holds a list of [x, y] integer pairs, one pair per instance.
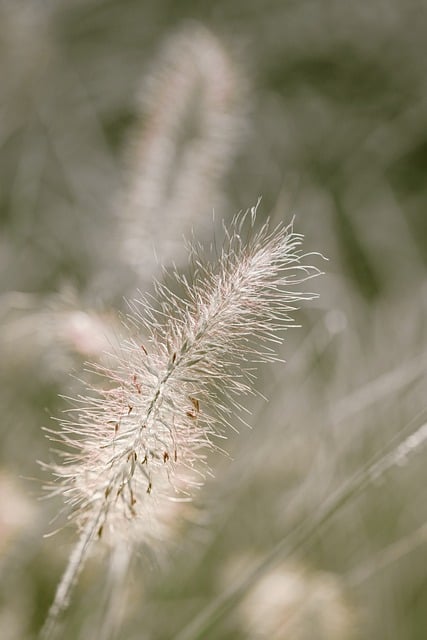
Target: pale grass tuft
{"points": [[142, 439], [291, 601]]}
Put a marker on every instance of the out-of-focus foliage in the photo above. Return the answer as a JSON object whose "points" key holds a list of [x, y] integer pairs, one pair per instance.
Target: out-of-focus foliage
{"points": [[321, 108]]}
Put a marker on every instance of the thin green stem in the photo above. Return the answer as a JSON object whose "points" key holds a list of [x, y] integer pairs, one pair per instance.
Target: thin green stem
{"points": [[69, 578]]}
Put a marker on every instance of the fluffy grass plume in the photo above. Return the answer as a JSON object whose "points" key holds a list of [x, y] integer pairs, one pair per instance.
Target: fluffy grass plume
{"points": [[141, 440]]}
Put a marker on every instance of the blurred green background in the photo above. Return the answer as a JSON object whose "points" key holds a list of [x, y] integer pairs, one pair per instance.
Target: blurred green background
{"points": [[123, 124]]}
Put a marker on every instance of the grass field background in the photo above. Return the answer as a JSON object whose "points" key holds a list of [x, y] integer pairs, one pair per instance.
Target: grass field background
{"points": [[123, 125]]}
